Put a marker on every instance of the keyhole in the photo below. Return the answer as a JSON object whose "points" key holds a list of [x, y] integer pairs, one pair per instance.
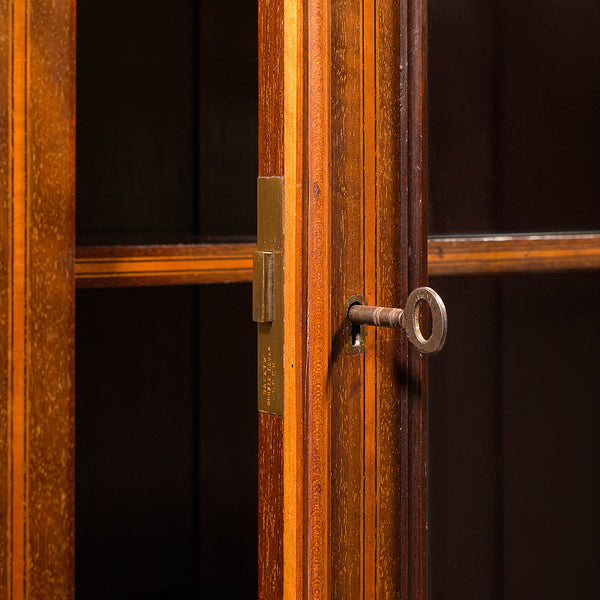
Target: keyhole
{"points": [[355, 334], [356, 338]]}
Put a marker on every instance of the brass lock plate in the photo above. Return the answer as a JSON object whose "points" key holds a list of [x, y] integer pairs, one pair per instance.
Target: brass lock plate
{"points": [[267, 294]]}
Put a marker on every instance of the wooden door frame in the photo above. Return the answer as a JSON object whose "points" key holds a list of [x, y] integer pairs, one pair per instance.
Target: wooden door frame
{"points": [[37, 179]]}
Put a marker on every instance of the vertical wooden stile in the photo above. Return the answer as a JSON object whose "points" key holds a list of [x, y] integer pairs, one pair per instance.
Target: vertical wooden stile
{"points": [[318, 301], [270, 426], [37, 170], [294, 299], [417, 274], [366, 414]]}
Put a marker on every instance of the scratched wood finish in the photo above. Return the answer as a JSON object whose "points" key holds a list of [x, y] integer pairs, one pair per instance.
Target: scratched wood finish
{"points": [[509, 254], [36, 306], [270, 163], [114, 266]]}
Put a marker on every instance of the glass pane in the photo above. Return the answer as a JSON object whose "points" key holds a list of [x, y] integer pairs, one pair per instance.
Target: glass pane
{"points": [[166, 475], [514, 440], [167, 124], [513, 119]]}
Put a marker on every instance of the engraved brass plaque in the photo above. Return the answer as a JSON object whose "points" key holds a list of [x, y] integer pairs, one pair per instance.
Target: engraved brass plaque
{"points": [[270, 196]]}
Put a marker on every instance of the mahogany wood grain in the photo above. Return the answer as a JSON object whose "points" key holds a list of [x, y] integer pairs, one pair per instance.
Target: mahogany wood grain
{"points": [[114, 266], [6, 245], [294, 327], [417, 520], [270, 163], [270, 88], [366, 415], [371, 193], [37, 305], [318, 286], [510, 254], [270, 506], [346, 376], [393, 94]]}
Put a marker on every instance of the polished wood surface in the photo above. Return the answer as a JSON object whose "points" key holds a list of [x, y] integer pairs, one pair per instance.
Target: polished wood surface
{"points": [[270, 432], [270, 506], [318, 286], [417, 490], [294, 572], [270, 88], [391, 389], [37, 175], [366, 414], [113, 266], [6, 302], [346, 373], [509, 254]]}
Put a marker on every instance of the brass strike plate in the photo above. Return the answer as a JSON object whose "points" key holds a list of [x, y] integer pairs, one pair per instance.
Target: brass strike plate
{"points": [[268, 294]]}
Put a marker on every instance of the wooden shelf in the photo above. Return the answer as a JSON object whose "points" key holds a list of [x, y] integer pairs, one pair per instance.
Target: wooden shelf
{"points": [[115, 266], [511, 254]]}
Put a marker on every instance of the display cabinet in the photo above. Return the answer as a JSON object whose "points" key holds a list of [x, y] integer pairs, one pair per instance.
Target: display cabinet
{"points": [[410, 139]]}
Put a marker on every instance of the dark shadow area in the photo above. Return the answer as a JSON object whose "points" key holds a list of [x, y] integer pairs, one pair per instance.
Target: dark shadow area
{"points": [[515, 440], [514, 90], [166, 450], [167, 122]]}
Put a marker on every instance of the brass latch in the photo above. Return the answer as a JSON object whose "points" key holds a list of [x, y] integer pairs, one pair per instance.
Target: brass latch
{"points": [[267, 294], [263, 288]]}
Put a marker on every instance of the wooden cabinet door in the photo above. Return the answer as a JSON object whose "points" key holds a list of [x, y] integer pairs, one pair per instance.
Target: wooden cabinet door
{"points": [[344, 470]]}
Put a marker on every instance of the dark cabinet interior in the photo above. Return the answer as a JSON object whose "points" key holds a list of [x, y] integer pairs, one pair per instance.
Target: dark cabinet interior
{"points": [[514, 444], [166, 464], [514, 439], [166, 426], [514, 89], [167, 122]]}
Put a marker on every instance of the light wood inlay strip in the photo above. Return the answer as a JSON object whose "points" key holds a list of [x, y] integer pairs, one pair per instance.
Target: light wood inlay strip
{"points": [[510, 254], [294, 304], [17, 326]]}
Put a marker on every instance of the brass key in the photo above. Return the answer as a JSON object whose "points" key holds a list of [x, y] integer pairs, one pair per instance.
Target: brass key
{"points": [[358, 314]]}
